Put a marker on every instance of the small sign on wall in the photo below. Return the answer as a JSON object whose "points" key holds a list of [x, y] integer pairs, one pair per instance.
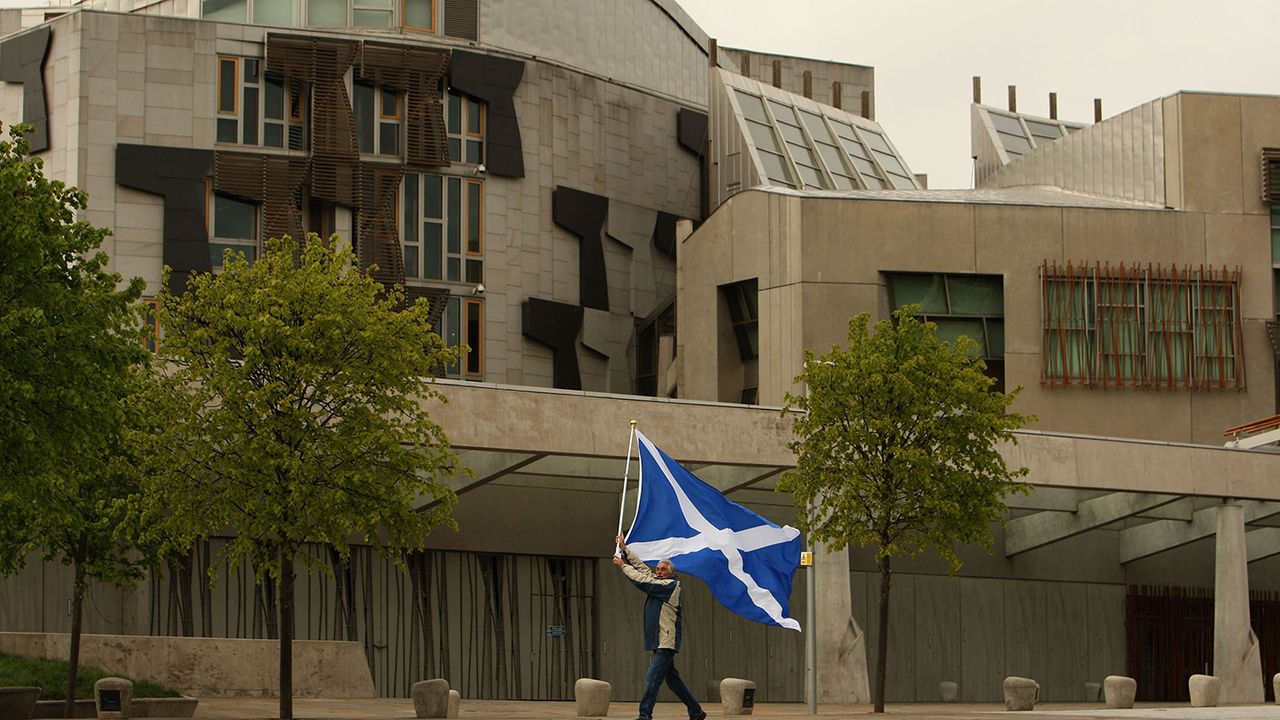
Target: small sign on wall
{"points": [[555, 631], [748, 698], [806, 559], [109, 700]]}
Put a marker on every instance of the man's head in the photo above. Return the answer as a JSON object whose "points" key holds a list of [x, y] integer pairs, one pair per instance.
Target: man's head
{"points": [[665, 568]]}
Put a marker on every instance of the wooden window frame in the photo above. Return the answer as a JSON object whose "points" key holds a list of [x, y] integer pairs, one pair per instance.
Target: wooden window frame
{"points": [[235, 91], [466, 185], [381, 105], [477, 346], [415, 28]]}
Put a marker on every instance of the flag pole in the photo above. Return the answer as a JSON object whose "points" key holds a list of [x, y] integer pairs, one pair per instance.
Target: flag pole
{"points": [[626, 474]]}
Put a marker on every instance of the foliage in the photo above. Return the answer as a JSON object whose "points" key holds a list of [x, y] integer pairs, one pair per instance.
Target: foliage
{"points": [[896, 442], [50, 675], [291, 408]]}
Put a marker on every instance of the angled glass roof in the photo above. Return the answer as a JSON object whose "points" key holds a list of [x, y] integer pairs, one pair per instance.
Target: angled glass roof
{"points": [[1019, 134], [802, 144]]}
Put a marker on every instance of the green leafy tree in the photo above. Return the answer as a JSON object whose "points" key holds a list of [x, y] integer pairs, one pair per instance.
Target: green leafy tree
{"points": [[291, 411], [71, 357], [896, 445]]}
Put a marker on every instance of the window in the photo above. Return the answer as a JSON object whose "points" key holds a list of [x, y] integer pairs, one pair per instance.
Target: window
{"points": [[281, 13], [233, 225], [1141, 326], [371, 13], [378, 113], [151, 324], [971, 306], [418, 15], [744, 315], [257, 108], [463, 324], [766, 143], [655, 346], [464, 120], [443, 228]]}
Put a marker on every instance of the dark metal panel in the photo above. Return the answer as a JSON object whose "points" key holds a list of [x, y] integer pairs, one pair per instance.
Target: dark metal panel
{"points": [[583, 214], [691, 131], [556, 325], [22, 61], [493, 80], [179, 175], [664, 234]]}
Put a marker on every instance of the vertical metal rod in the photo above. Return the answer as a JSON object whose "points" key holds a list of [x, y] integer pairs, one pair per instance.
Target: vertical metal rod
{"points": [[977, 90], [1053, 106], [1097, 110], [1013, 98], [866, 105], [811, 642]]}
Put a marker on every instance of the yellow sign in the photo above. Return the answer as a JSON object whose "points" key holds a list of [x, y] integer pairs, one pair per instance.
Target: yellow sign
{"points": [[806, 559]]}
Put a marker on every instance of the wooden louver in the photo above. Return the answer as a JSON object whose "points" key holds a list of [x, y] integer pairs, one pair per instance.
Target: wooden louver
{"points": [[271, 180], [1271, 175]]}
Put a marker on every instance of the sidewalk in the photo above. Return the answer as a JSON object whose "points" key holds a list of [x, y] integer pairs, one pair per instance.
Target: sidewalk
{"points": [[402, 709]]}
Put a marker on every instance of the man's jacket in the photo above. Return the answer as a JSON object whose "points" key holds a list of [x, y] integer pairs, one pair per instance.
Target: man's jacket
{"points": [[662, 606]]}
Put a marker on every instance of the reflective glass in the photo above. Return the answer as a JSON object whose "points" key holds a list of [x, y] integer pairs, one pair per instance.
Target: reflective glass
{"points": [[1005, 123], [902, 182], [927, 291], [411, 261], [371, 18], [802, 155], [389, 138], [855, 148], [275, 12], [228, 130], [865, 167], [473, 117], [273, 99], [976, 294], [431, 250], [327, 13], [362, 105], [1014, 143], [233, 219], [454, 218], [226, 10], [843, 182], [417, 14], [784, 113], [952, 329], [774, 168], [273, 135], [1044, 129], [752, 108], [890, 163], [816, 127], [995, 337], [876, 141], [762, 136], [475, 152], [792, 134], [874, 183], [833, 158], [810, 176]]}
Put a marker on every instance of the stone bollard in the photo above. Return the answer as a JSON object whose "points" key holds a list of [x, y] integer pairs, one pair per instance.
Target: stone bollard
{"points": [[948, 691], [1092, 691], [113, 696], [455, 703], [1119, 691], [1205, 690], [1020, 693], [592, 697], [18, 702], [430, 698], [737, 696], [1275, 687]]}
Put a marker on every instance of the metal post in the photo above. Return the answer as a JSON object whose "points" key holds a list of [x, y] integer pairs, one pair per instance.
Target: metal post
{"points": [[811, 643]]}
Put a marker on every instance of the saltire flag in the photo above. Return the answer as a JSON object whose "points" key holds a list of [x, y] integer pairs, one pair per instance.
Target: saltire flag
{"points": [[747, 561]]}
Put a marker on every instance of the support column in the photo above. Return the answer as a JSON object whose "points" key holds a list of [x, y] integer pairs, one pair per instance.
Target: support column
{"points": [[1235, 647], [842, 646]]}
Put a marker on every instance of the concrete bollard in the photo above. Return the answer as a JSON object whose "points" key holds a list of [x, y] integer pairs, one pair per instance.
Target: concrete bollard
{"points": [[1119, 691], [592, 697], [1275, 687], [1205, 690], [430, 698], [1020, 693], [113, 697], [455, 703], [737, 696], [948, 691]]}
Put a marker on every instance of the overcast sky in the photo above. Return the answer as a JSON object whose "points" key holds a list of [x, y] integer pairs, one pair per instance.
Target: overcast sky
{"points": [[925, 53]]}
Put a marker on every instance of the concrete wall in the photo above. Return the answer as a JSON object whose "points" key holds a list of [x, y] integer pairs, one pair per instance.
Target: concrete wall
{"points": [[211, 667], [820, 261]]}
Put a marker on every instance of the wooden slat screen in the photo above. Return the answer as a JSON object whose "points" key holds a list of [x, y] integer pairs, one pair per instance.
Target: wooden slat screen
{"points": [[271, 180], [417, 72], [1271, 175], [378, 188]]}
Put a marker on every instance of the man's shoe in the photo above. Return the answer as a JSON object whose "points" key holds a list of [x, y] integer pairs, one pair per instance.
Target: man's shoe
{"points": [[699, 716]]}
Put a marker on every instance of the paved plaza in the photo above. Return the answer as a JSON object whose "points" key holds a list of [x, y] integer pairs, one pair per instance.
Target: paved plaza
{"points": [[402, 708]]}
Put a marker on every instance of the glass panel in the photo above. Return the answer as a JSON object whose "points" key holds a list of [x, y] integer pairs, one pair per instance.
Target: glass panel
{"points": [[453, 220], [774, 168], [474, 204], [843, 183], [783, 113], [1275, 245], [431, 250], [875, 141], [274, 12], [410, 229], [802, 155], [762, 136], [1014, 143], [844, 129], [473, 117], [234, 219], [833, 158], [792, 134], [371, 18], [454, 265], [389, 138], [1044, 129], [811, 177], [411, 261], [1275, 290], [251, 116], [226, 10], [890, 163], [362, 106], [273, 99], [390, 103], [473, 337], [372, 3], [995, 337], [327, 13], [752, 108], [475, 270], [452, 326], [475, 152], [865, 168], [874, 183], [855, 148], [218, 251], [250, 70], [1005, 123], [417, 14], [455, 150], [227, 86], [901, 182], [431, 196], [927, 291], [273, 135], [453, 114], [816, 127], [975, 295], [228, 130], [951, 329]]}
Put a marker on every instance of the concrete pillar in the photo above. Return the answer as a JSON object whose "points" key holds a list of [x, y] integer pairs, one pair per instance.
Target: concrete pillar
{"points": [[1235, 647], [842, 645]]}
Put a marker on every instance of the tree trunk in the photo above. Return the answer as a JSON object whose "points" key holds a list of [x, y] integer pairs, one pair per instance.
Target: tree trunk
{"points": [[882, 642], [77, 614], [285, 598]]}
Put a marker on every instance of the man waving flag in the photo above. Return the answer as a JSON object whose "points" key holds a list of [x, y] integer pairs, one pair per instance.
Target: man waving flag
{"points": [[747, 561]]}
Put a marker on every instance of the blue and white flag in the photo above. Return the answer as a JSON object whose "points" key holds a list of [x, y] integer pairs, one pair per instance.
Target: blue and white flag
{"points": [[747, 561]]}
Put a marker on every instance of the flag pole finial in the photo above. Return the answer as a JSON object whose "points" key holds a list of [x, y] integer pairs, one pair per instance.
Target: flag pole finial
{"points": [[633, 423]]}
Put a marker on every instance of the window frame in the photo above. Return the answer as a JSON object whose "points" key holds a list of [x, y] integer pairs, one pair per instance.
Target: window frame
{"points": [[995, 361], [378, 119], [465, 256], [405, 24], [211, 205], [288, 121]]}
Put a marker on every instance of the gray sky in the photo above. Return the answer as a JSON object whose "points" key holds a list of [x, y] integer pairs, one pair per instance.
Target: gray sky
{"points": [[925, 53]]}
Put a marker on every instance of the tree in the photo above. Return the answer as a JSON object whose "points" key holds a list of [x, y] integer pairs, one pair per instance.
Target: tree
{"points": [[896, 449], [292, 413], [71, 357]]}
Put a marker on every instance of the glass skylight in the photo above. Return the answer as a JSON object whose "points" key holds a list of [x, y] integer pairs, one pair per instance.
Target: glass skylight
{"points": [[1020, 134]]}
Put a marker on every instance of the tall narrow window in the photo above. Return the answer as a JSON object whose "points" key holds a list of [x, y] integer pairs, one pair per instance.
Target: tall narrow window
{"points": [[151, 324], [464, 121], [257, 108], [371, 13], [377, 114], [228, 124], [744, 314], [969, 306], [463, 323], [443, 228]]}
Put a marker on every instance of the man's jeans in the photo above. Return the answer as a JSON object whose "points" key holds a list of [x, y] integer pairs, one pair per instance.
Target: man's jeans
{"points": [[663, 668]]}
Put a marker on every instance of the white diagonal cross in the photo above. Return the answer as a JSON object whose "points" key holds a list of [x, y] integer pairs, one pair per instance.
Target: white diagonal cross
{"points": [[729, 543]]}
